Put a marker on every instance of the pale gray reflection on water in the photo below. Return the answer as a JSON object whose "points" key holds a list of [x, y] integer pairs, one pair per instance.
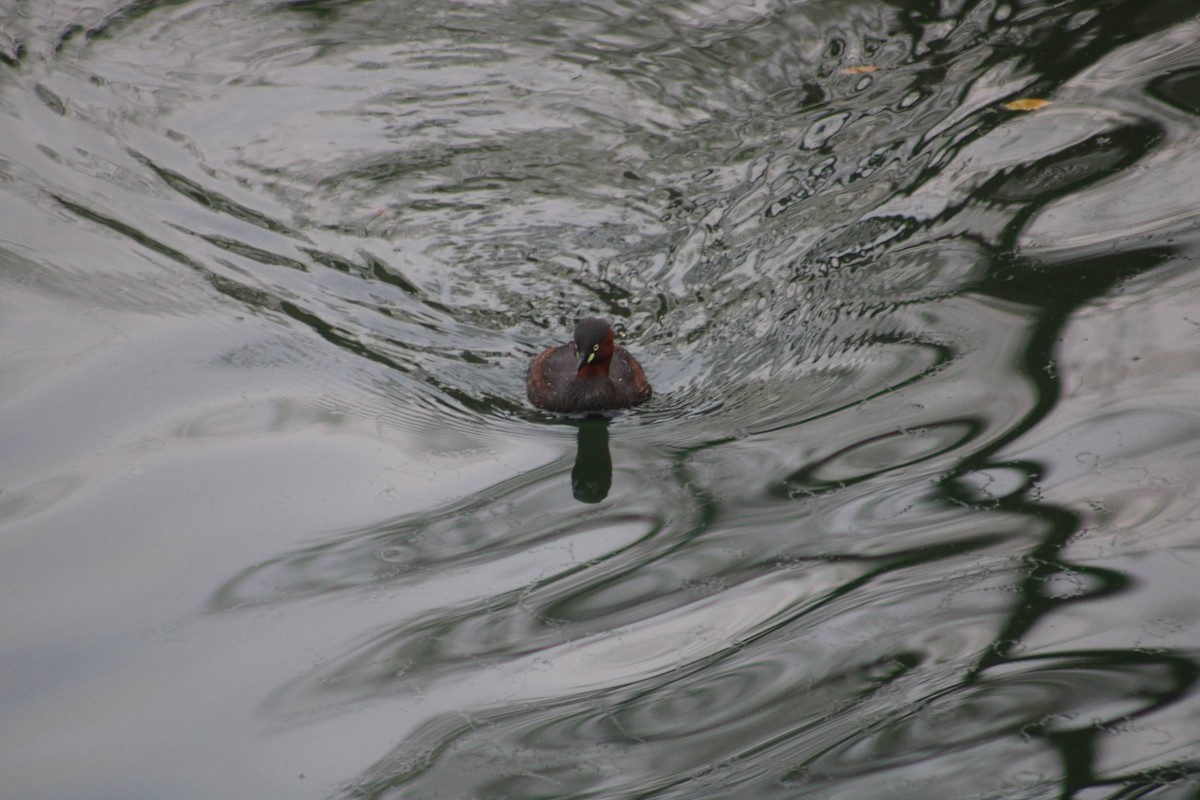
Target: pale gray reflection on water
{"points": [[911, 513]]}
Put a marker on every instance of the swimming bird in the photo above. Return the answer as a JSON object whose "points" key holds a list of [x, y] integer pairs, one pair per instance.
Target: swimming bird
{"points": [[590, 373]]}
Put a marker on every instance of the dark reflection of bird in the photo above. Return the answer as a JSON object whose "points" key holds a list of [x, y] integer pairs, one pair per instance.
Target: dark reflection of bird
{"points": [[591, 477], [589, 374]]}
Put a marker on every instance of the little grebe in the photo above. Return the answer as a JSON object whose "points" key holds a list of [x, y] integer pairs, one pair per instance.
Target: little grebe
{"points": [[589, 374]]}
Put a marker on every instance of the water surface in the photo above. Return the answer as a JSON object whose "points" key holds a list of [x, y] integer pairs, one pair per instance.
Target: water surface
{"points": [[909, 515]]}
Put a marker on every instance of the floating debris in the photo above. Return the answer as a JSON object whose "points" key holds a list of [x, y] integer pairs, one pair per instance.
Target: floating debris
{"points": [[1026, 104]]}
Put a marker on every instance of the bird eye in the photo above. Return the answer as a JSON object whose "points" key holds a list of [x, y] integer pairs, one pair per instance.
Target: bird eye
{"points": [[595, 348]]}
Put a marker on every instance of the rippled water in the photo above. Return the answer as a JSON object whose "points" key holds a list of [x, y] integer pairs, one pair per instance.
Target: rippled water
{"points": [[911, 513]]}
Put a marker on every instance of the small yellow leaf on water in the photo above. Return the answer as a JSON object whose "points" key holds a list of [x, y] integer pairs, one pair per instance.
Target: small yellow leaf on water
{"points": [[859, 70], [1026, 104]]}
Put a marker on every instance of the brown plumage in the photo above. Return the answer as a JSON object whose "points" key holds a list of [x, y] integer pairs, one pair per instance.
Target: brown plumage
{"points": [[591, 373]]}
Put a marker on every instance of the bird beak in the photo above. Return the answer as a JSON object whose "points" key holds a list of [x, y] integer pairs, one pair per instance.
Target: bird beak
{"points": [[584, 360]]}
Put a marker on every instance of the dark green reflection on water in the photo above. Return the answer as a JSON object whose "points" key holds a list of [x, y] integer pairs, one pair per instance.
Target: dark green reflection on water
{"points": [[1057, 294]]}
